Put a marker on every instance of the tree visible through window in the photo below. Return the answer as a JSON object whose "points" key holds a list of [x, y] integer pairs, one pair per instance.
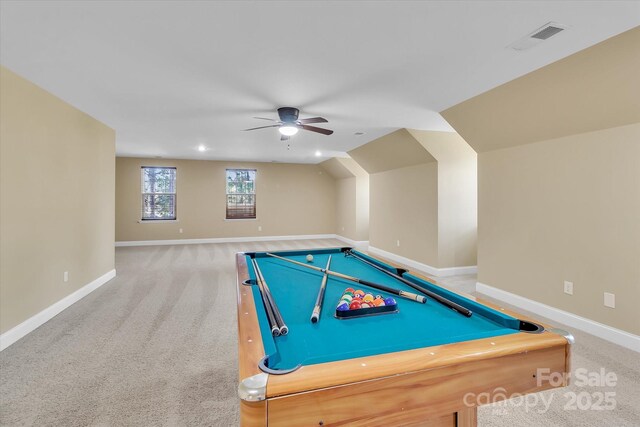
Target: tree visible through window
{"points": [[241, 193], [158, 193]]}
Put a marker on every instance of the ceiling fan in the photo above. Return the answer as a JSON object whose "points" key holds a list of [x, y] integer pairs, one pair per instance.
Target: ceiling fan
{"points": [[289, 124]]}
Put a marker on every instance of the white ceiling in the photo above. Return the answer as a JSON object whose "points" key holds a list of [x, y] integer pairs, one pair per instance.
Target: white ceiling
{"points": [[168, 76]]}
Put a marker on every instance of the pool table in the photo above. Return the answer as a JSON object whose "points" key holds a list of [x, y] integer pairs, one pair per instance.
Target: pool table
{"points": [[425, 364]]}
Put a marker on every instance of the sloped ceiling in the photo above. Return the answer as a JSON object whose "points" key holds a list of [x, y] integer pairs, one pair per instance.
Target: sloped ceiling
{"points": [[336, 168], [596, 88], [395, 150]]}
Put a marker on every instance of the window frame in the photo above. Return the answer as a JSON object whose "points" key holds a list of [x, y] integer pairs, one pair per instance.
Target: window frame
{"points": [[143, 194], [254, 194]]}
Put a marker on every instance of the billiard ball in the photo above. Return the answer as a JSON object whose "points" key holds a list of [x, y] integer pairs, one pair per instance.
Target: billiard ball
{"points": [[378, 302], [365, 305], [309, 258], [349, 290], [355, 305], [389, 301], [368, 298], [358, 293], [343, 306], [347, 297]]}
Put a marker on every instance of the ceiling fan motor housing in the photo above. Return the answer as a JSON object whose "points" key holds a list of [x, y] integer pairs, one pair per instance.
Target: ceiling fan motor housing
{"points": [[288, 114]]}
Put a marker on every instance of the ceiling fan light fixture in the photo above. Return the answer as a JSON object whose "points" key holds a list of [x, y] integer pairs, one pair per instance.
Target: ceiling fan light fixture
{"points": [[288, 130]]}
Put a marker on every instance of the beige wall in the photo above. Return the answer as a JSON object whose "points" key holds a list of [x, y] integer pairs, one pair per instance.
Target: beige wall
{"points": [[559, 182], [423, 192], [457, 196], [292, 199], [352, 192], [565, 209], [56, 199], [404, 206], [362, 207], [346, 223]]}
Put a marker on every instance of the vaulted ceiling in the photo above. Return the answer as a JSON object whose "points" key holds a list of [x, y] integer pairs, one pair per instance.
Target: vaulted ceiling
{"points": [[170, 76]]}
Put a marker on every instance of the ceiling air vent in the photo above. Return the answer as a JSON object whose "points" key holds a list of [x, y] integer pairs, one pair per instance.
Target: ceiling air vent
{"points": [[538, 36], [546, 32]]}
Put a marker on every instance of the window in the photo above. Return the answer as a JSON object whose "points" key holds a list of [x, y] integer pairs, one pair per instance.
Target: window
{"points": [[158, 193], [241, 193]]}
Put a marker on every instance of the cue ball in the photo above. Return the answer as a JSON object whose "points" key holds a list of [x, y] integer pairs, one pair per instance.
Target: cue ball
{"points": [[309, 258]]}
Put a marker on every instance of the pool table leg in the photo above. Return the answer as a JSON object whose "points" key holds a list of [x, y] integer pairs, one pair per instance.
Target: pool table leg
{"points": [[253, 414], [467, 417]]}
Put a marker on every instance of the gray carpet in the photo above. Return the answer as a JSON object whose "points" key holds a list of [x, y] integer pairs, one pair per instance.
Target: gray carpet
{"points": [[157, 346]]}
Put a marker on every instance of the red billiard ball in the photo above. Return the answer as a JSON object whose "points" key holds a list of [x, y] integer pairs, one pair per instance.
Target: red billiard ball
{"points": [[355, 305], [349, 290]]}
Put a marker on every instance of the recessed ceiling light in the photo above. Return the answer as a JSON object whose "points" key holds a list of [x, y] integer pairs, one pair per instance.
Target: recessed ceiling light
{"points": [[288, 130], [318, 153], [202, 148]]}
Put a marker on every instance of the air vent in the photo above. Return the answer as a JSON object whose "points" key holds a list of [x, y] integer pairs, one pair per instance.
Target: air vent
{"points": [[538, 36], [547, 32]]}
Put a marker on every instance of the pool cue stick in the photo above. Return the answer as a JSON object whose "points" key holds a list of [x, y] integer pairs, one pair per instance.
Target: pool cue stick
{"points": [[442, 300], [275, 330], [315, 316], [398, 292], [284, 329]]}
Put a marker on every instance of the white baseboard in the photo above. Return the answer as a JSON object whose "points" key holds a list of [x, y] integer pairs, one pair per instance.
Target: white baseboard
{"points": [[592, 327], [224, 240], [362, 245], [17, 332], [434, 271]]}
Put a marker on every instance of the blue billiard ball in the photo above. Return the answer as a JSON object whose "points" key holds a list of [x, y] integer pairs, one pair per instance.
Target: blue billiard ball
{"points": [[343, 307], [389, 301]]}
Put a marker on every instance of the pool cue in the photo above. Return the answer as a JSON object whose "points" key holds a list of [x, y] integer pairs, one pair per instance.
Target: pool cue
{"points": [[315, 316], [284, 329], [275, 330], [442, 300], [398, 292]]}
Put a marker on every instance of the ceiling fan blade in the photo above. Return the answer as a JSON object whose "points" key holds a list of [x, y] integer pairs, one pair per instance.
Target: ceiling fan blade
{"points": [[263, 127], [315, 129], [284, 138], [313, 120], [264, 118]]}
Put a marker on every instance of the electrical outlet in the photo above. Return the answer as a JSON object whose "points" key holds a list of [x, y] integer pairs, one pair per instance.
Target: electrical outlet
{"points": [[568, 288], [180, 231], [65, 276], [609, 300], [259, 228], [398, 243]]}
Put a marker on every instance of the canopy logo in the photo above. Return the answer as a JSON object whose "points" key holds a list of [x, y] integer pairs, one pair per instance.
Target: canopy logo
{"points": [[593, 399]]}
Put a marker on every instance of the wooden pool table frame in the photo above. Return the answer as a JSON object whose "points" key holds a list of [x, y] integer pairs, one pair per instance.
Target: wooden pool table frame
{"points": [[424, 386]]}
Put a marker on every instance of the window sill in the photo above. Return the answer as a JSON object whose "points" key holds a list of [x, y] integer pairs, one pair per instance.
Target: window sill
{"points": [[241, 219], [156, 221]]}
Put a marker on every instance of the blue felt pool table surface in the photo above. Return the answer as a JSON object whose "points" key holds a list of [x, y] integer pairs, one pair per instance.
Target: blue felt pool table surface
{"points": [[295, 288]]}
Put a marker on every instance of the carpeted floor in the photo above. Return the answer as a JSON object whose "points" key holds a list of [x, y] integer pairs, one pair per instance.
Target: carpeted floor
{"points": [[157, 346]]}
